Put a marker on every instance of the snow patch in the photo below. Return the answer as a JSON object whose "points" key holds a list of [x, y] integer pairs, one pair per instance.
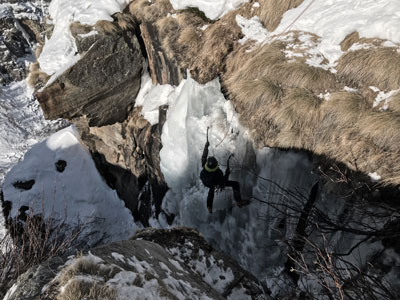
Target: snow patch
{"points": [[252, 29], [60, 51], [370, 18], [374, 176], [76, 196], [213, 9]]}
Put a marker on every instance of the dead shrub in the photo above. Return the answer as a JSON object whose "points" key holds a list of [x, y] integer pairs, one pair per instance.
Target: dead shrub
{"points": [[378, 67], [271, 11], [29, 242]]}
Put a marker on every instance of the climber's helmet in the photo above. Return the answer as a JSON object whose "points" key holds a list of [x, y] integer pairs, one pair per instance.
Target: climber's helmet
{"points": [[212, 164]]}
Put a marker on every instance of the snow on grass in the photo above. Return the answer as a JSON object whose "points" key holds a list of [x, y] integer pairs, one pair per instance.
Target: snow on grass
{"points": [[383, 97], [76, 196], [60, 51], [334, 20], [370, 18], [252, 29], [213, 9]]}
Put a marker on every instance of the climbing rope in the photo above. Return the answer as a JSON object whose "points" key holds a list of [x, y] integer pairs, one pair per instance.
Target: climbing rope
{"points": [[226, 133], [297, 18]]}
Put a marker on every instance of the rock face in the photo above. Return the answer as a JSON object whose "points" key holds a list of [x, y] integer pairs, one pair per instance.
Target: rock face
{"points": [[166, 264], [20, 30], [102, 86], [127, 156], [163, 70]]}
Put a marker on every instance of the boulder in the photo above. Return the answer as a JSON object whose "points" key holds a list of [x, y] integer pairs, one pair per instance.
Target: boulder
{"points": [[102, 85]]}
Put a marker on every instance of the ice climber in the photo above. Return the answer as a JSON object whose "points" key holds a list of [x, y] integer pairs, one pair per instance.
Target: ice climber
{"points": [[213, 178]]}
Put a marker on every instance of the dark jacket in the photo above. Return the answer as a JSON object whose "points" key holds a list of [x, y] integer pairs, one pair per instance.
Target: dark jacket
{"points": [[212, 179]]}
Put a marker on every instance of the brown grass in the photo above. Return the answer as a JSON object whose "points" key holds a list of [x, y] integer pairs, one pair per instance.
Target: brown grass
{"points": [[75, 288], [349, 40], [218, 41], [382, 128], [270, 62], [378, 67], [343, 109], [271, 11], [36, 78], [167, 26], [78, 289], [78, 28], [137, 8], [299, 109], [124, 21], [143, 10], [394, 103], [106, 27]]}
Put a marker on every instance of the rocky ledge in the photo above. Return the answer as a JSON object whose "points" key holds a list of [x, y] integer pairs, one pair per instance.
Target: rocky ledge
{"points": [[169, 264]]}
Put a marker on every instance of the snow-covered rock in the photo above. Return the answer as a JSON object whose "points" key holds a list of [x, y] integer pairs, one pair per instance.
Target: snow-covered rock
{"points": [[58, 180], [156, 264]]}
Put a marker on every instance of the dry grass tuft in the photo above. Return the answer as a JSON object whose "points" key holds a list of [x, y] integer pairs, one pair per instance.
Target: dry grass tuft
{"points": [[146, 11], [85, 279], [378, 67], [85, 266], [299, 109], [167, 26], [394, 104], [270, 62], [124, 21], [106, 27], [78, 28], [271, 11], [343, 109], [137, 7], [78, 289], [217, 42], [349, 40], [38, 50], [36, 78], [382, 128]]}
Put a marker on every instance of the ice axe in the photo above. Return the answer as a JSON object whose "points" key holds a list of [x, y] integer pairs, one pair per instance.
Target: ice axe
{"points": [[208, 127], [227, 163]]}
